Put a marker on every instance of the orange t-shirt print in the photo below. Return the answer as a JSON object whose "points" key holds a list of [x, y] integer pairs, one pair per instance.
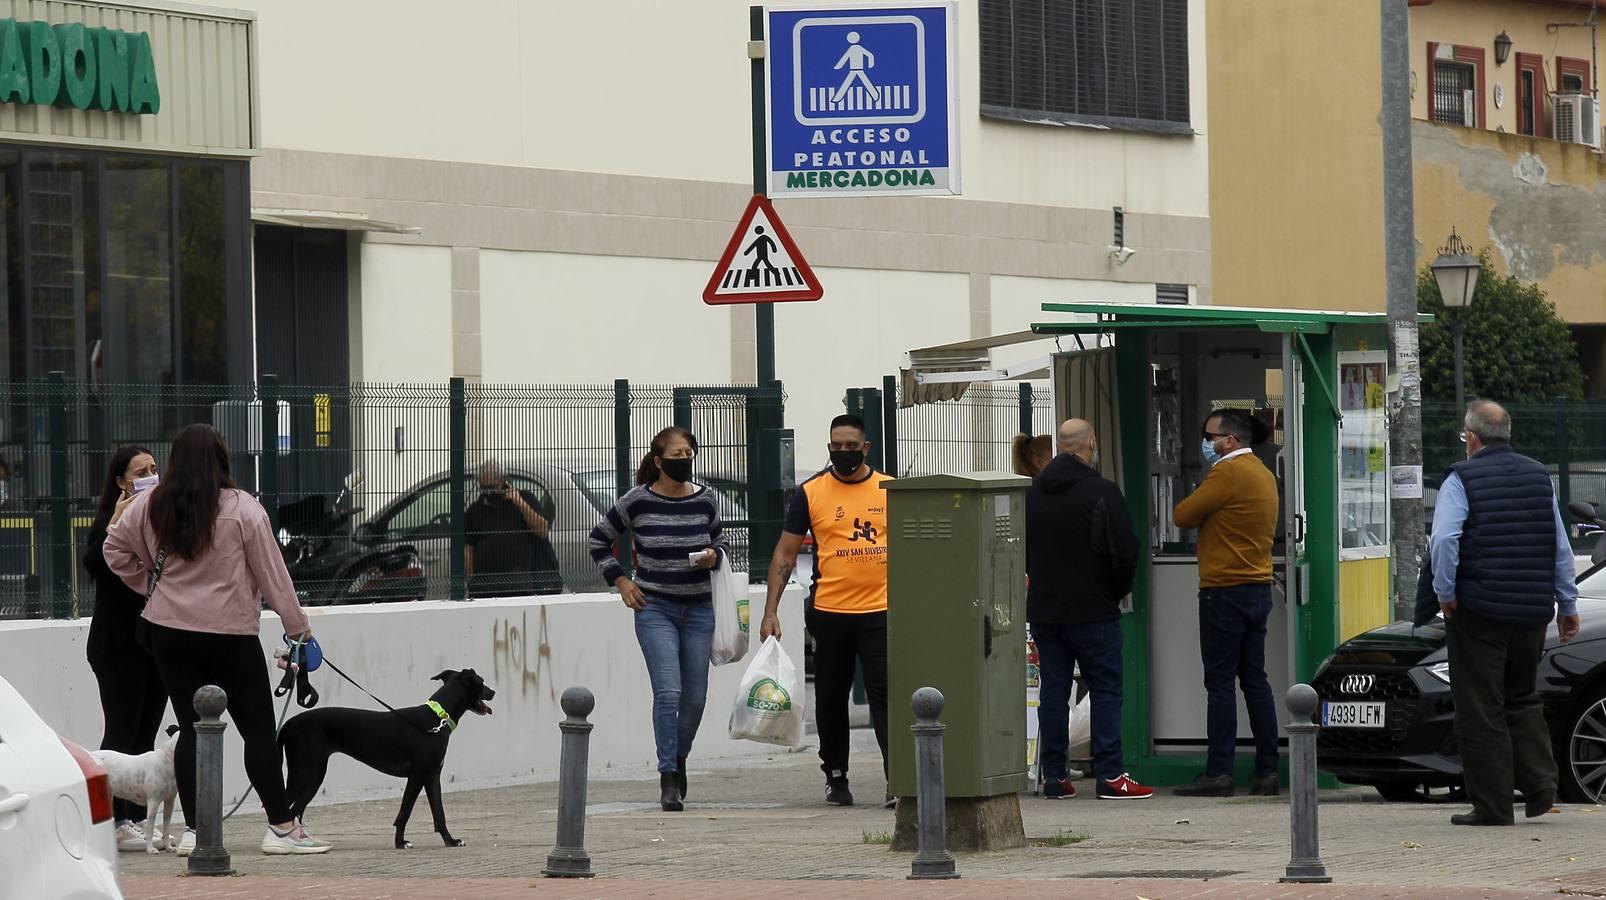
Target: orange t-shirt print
{"points": [[849, 522]]}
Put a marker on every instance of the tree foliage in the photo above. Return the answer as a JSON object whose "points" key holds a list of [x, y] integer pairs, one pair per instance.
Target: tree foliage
{"points": [[1515, 346]]}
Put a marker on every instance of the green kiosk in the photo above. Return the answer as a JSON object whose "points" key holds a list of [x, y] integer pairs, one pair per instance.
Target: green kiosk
{"points": [[1147, 377]]}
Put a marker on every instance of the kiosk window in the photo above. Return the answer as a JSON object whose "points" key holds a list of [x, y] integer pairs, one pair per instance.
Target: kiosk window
{"points": [[1363, 506]]}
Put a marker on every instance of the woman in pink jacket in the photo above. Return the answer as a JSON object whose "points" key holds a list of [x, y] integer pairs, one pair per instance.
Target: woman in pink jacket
{"points": [[204, 552]]}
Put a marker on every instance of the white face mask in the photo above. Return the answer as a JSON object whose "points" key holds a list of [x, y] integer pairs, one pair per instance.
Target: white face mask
{"points": [[141, 485]]}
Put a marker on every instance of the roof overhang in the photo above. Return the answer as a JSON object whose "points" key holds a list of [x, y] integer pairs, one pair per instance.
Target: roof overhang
{"points": [[1097, 318], [330, 219]]}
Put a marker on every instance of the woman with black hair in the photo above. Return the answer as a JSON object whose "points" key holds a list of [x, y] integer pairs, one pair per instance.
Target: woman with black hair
{"points": [[203, 552], [132, 700], [676, 527]]}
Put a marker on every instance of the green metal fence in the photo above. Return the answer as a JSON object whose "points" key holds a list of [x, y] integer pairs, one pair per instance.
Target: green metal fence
{"points": [[370, 486], [975, 431]]}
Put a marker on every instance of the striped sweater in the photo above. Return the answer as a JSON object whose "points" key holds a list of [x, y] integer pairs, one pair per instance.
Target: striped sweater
{"points": [[666, 530]]}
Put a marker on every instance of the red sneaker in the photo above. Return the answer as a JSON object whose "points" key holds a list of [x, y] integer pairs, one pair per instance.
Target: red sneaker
{"points": [[1123, 788], [1059, 789]]}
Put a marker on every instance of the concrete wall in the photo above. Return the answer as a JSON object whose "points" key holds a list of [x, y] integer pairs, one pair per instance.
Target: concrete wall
{"points": [[528, 650]]}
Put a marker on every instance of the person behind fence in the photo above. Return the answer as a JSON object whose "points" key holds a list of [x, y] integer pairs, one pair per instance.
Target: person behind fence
{"points": [[132, 700], [203, 553], [1502, 568], [507, 549], [1081, 559], [845, 507], [1235, 510], [1030, 455], [675, 527]]}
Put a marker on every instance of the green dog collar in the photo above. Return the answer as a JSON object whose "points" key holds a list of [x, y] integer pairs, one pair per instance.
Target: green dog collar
{"points": [[445, 717]]}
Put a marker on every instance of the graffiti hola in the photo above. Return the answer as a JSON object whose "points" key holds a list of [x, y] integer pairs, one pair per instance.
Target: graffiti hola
{"points": [[524, 657]]}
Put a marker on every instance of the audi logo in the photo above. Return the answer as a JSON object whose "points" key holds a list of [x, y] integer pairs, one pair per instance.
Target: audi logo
{"points": [[1357, 684]]}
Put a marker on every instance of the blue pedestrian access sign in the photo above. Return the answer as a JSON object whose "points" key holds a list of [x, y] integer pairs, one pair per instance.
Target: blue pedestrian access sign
{"points": [[861, 100]]}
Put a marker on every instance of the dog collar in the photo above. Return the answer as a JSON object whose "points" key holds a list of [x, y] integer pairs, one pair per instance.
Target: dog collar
{"points": [[445, 717]]}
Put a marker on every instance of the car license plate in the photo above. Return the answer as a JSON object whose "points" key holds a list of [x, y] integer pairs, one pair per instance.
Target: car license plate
{"points": [[1352, 715]]}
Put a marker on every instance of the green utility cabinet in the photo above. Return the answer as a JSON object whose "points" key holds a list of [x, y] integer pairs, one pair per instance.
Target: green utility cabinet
{"points": [[956, 621]]}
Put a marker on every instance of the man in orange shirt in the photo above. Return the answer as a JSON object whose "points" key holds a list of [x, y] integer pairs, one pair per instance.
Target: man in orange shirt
{"points": [[846, 508], [1235, 510]]}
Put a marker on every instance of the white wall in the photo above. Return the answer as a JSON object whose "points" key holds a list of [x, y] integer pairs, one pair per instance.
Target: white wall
{"points": [[406, 313], [575, 319], [852, 337], [529, 651], [641, 87]]}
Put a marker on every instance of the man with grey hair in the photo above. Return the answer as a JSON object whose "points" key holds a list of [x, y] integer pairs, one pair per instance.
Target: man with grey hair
{"points": [[1081, 558], [507, 551], [1502, 568]]}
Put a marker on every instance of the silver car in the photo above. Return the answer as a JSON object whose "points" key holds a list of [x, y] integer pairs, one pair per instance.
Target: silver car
{"points": [[573, 494]]}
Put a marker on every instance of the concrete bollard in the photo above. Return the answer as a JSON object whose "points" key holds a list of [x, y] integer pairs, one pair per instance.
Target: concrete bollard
{"points": [[933, 861], [1305, 854], [568, 858], [209, 857]]}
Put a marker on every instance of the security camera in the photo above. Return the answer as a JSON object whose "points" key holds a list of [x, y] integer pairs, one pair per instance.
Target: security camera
{"points": [[1121, 254]]}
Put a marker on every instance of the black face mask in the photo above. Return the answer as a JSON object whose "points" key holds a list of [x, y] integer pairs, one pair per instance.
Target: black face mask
{"points": [[678, 470], [846, 462]]}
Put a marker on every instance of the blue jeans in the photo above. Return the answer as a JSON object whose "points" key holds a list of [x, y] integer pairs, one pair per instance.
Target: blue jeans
{"points": [[1097, 647], [675, 640], [1232, 643]]}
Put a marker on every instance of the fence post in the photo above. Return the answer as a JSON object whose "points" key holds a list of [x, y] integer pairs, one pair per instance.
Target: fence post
{"points": [[1305, 854], [1564, 492], [268, 462], [889, 423], [458, 412], [569, 858], [872, 400], [1026, 417], [933, 861], [765, 501], [622, 459], [61, 550], [209, 856]]}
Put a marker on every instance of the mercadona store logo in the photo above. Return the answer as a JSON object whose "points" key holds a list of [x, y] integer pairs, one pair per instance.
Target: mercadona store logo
{"points": [[768, 698]]}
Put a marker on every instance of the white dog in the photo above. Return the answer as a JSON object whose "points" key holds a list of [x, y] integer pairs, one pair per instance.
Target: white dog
{"points": [[147, 778]]}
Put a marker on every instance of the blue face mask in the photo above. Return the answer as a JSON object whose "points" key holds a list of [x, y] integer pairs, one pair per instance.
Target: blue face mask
{"points": [[1208, 448]]}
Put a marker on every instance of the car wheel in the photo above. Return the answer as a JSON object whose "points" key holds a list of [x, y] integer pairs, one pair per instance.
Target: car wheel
{"points": [[1582, 758], [1416, 792]]}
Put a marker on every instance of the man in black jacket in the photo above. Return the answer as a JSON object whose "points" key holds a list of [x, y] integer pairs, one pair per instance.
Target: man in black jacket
{"points": [[1081, 557]]}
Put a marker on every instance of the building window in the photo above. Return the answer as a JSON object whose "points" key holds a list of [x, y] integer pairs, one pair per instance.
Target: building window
{"points": [[1457, 94], [1531, 95], [1363, 503], [1572, 75], [1120, 63]]}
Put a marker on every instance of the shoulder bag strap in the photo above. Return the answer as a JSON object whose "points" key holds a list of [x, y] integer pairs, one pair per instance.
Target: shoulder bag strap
{"points": [[156, 573]]}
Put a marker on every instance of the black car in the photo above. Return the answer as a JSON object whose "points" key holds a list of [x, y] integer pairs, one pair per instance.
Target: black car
{"points": [[1387, 713]]}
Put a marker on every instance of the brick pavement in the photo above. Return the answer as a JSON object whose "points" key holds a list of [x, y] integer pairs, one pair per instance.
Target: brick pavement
{"points": [[766, 822]]}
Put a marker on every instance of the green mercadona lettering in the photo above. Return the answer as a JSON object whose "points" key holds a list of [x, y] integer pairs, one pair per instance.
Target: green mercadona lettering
{"points": [[77, 66]]}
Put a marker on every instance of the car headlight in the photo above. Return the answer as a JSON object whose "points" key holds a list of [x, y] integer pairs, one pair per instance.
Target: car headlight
{"points": [[1440, 671]]}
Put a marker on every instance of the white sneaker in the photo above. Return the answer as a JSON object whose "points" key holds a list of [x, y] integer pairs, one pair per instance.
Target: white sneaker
{"points": [[186, 844], [296, 841], [130, 838]]}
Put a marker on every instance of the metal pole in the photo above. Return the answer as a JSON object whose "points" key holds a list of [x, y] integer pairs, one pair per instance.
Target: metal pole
{"points": [[1305, 855], [268, 464], [209, 856], [931, 797], [568, 858], [889, 423], [624, 475], [1026, 417], [765, 330], [1399, 248], [61, 549], [457, 441], [1457, 329]]}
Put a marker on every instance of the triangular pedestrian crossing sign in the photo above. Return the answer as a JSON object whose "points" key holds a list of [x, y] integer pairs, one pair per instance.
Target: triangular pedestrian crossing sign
{"points": [[761, 264]]}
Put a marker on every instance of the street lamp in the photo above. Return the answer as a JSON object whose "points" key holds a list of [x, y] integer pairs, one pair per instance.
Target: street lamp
{"points": [[1502, 48], [1456, 270]]}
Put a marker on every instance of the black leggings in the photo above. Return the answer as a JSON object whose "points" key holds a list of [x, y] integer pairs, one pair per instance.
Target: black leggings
{"points": [[132, 701], [188, 660]]}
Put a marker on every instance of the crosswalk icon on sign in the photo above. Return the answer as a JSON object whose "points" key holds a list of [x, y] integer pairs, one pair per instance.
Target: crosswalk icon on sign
{"points": [[761, 264]]}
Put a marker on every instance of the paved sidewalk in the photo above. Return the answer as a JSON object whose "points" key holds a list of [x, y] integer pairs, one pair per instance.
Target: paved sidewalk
{"points": [[768, 823]]}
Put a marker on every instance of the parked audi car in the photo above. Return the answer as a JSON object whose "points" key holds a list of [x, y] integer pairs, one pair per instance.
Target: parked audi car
{"points": [[403, 550], [1388, 716]]}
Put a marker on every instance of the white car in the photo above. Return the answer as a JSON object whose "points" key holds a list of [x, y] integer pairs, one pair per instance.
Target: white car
{"points": [[56, 829]]}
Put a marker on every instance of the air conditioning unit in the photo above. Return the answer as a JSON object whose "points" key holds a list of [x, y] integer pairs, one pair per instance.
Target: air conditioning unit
{"points": [[1576, 118]]}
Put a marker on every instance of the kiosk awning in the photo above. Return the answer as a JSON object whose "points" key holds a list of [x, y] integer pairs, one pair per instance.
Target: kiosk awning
{"points": [[1117, 316]]}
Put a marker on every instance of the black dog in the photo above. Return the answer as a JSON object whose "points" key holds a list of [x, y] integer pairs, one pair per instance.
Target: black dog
{"points": [[407, 743]]}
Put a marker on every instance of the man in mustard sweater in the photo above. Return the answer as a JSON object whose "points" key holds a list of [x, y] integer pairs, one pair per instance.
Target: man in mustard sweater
{"points": [[1235, 510]]}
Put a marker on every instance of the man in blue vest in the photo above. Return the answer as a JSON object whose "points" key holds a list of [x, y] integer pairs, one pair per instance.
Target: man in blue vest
{"points": [[1502, 568]]}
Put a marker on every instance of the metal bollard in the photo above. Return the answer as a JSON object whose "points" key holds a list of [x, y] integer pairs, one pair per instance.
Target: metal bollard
{"points": [[209, 857], [933, 861], [568, 858], [1305, 855]]}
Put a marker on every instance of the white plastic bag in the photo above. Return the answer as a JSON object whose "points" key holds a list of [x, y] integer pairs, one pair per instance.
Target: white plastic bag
{"points": [[769, 705], [730, 613], [1081, 728]]}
